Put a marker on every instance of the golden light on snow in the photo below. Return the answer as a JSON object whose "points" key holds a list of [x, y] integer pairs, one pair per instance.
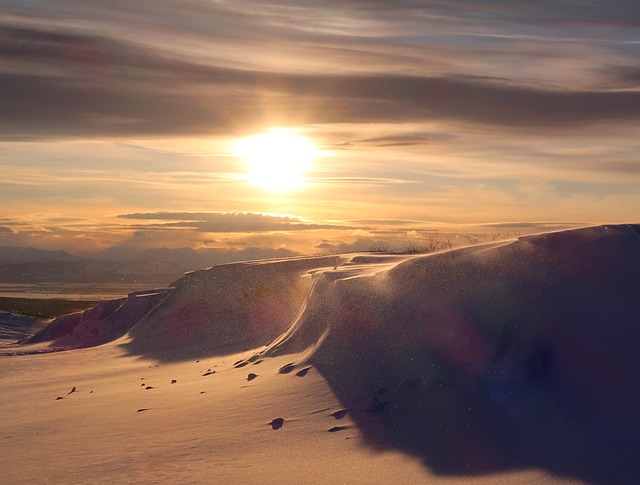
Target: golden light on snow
{"points": [[276, 160]]}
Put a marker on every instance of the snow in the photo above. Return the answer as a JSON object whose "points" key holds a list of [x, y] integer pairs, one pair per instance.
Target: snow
{"points": [[510, 362]]}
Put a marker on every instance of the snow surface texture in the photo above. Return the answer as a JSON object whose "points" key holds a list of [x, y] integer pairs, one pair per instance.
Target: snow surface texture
{"points": [[14, 327], [515, 355]]}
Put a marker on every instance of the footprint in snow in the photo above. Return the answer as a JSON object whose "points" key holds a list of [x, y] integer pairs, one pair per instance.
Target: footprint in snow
{"points": [[340, 414], [286, 368], [303, 372]]}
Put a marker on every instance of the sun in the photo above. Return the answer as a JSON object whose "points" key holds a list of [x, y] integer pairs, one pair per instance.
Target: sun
{"points": [[276, 160]]}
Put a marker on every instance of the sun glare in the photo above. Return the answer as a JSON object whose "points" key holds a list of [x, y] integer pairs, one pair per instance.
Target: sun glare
{"points": [[276, 160]]}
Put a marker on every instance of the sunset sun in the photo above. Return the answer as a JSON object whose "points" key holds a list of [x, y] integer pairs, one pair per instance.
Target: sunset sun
{"points": [[276, 160]]}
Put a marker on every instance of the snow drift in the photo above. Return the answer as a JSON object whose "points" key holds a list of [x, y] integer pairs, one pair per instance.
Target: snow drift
{"points": [[223, 309], [518, 354], [515, 354]]}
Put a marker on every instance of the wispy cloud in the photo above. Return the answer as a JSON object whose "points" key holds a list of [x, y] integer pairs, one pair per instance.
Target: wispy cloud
{"points": [[76, 83], [398, 140], [222, 222]]}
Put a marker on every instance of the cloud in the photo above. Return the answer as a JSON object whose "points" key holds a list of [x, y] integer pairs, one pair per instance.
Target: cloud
{"points": [[447, 111], [62, 220], [361, 181], [532, 226], [228, 222], [626, 76], [387, 222], [7, 230], [399, 140], [74, 83], [360, 244]]}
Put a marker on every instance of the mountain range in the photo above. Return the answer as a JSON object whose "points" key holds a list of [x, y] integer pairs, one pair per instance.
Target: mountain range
{"points": [[119, 264]]}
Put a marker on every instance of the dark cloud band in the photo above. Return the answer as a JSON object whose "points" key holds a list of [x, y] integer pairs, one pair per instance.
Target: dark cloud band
{"points": [[76, 84]]}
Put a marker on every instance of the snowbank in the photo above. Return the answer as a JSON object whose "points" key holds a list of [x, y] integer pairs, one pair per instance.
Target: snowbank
{"points": [[515, 355]]}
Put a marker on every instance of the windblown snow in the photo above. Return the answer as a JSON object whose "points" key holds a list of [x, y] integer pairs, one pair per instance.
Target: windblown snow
{"points": [[491, 362]]}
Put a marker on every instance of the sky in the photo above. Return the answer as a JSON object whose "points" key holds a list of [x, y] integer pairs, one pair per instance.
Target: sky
{"points": [[118, 120]]}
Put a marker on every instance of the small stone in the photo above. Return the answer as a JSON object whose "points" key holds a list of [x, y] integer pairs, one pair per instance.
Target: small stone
{"points": [[277, 423]]}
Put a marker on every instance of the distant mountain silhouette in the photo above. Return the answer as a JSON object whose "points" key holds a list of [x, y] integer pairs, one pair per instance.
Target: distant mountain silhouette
{"points": [[10, 254], [192, 257], [120, 264]]}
